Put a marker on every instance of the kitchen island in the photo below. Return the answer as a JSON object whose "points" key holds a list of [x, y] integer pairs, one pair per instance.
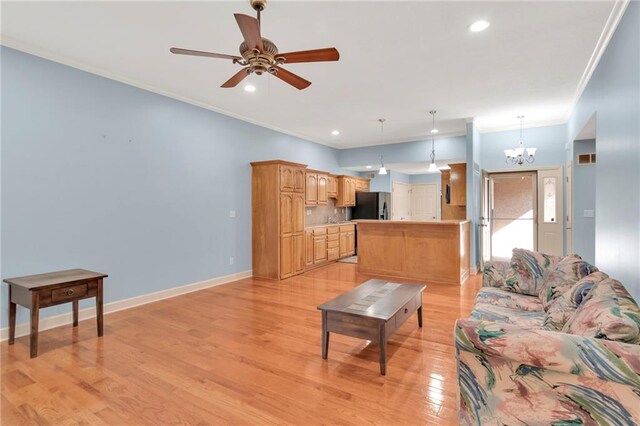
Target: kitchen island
{"points": [[435, 251]]}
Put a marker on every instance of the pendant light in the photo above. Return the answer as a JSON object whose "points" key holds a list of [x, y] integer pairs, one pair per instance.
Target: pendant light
{"points": [[383, 169], [432, 167], [517, 155]]}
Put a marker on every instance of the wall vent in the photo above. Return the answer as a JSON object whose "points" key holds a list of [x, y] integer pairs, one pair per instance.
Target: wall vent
{"points": [[586, 159], [370, 175]]}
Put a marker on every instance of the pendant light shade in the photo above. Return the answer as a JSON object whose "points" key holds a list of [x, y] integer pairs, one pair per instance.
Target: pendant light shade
{"points": [[383, 169]]}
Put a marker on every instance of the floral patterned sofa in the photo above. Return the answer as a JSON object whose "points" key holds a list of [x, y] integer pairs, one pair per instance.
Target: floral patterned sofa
{"points": [[551, 341]]}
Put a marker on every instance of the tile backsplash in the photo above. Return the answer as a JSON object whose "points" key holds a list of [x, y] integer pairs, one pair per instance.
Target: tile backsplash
{"points": [[317, 215]]}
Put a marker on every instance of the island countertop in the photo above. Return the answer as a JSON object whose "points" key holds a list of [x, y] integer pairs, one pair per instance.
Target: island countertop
{"points": [[410, 222], [430, 251]]}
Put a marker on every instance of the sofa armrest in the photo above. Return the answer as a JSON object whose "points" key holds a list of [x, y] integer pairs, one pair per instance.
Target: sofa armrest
{"points": [[498, 274], [551, 350]]}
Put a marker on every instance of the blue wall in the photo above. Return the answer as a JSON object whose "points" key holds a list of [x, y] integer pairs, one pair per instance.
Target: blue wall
{"points": [[613, 93], [584, 198], [550, 142], [451, 148], [104, 176]]}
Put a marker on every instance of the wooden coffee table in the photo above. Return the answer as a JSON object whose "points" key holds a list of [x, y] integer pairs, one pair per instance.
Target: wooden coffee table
{"points": [[372, 311]]}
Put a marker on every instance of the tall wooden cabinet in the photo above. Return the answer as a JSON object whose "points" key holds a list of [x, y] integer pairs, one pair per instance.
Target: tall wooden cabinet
{"points": [[277, 205]]}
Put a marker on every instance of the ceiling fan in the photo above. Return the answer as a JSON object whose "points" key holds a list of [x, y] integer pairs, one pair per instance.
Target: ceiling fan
{"points": [[259, 55]]}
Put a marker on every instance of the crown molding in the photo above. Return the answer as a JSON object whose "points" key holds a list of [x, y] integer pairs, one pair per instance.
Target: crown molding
{"points": [[54, 57], [619, 7]]}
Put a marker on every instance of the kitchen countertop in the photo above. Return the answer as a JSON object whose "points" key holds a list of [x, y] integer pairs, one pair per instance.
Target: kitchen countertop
{"points": [[326, 225]]}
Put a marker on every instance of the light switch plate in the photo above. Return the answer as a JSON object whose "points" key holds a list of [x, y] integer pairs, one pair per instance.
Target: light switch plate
{"points": [[232, 213], [588, 213]]}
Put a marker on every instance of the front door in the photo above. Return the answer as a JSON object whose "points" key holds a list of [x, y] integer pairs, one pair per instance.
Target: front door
{"points": [[512, 213]]}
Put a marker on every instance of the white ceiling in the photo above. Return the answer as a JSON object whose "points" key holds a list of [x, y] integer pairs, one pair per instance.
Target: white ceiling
{"points": [[398, 59], [414, 168]]}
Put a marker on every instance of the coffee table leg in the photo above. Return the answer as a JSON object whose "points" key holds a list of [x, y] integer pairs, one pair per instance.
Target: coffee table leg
{"points": [[99, 310], [12, 320], [35, 317], [75, 313], [325, 336], [382, 344], [420, 316]]}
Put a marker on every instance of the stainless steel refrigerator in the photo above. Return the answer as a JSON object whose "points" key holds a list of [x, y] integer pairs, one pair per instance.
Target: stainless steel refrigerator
{"points": [[372, 205]]}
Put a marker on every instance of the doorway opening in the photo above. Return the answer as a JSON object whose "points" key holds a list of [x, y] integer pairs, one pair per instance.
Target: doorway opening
{"points": [[522, 210]]}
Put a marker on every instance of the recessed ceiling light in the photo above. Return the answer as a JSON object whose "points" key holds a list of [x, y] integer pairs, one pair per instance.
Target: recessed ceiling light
{"points": [[335, 132], [435, 131], [368, 167], [478, 26], [249, 88]]}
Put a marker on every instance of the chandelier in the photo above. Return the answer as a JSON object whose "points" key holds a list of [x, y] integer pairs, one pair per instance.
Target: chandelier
{"points": [[520, 155]]}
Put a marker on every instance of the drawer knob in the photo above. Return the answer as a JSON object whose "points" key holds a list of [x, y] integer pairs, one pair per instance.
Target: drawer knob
{"points": [[70, 292], [406, 310]]}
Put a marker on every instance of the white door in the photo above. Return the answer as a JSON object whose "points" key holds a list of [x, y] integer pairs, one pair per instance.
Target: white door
{"points": [[485, 223], [550, 212], [400, 201], [424, 201]]}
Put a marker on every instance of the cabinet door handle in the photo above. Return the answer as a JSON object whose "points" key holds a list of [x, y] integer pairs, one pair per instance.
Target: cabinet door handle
{"points": [[70, 292], [406, 310]]}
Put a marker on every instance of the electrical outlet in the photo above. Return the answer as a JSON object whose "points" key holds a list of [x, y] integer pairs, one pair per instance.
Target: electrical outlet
{"points": [[335, 211], [588, 213], [231, 261], [232, 213]]}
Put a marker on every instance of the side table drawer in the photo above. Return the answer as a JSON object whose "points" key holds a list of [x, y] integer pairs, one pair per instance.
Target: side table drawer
{"points": [[68, 293], [405, 312]]}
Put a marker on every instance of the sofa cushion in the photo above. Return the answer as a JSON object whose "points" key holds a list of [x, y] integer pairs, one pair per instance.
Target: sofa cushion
{"points": [[508, 299], [532, 268], [562, 277], [563, 308], [500, 274], [609, 312], [524, 319]]}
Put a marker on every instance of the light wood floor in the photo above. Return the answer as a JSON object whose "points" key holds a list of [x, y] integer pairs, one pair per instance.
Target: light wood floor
{"points": [[246, 352]]}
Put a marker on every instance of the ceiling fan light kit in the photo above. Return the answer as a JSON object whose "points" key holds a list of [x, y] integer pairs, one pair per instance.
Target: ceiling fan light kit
{"points": [[260, 55]]}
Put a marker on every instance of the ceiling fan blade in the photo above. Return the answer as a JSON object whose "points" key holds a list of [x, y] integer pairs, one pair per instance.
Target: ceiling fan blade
{"points": [[250, 28], [316, 55], [179, 51], [294, 80], [237, 78]]}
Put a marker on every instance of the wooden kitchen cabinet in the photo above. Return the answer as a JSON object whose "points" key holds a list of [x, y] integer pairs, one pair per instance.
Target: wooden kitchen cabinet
{"points": [[311, 191], [332, 189], [323, 187], [362, 185], [346, 192], [347, 240], [319, 245], [298, 179], [308, 241], [277, 209], [458, 182]]}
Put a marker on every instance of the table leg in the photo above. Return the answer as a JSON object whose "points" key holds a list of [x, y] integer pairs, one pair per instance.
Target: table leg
{"points": [[382, 344], [325, 336], [99, 310], [420, 316], [75, 313], [35, 317], [12, 319]]}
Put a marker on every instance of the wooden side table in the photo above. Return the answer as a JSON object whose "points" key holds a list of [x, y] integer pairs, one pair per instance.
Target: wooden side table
{"points": [[54, 288]]}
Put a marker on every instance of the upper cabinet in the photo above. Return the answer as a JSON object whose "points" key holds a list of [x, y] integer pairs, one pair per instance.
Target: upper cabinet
{"points": [[291, 178], [346, 191], [311, 197], [332, 189], [362, 185], [317, 188], [458, 182]]}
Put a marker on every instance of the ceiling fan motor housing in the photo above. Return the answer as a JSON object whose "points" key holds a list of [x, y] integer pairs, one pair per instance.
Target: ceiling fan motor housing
{"points": [[258, 5], [260, 62]]}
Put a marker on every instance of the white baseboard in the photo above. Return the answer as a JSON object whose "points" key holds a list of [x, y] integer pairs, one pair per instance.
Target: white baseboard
{"points": [[24, 328]]}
